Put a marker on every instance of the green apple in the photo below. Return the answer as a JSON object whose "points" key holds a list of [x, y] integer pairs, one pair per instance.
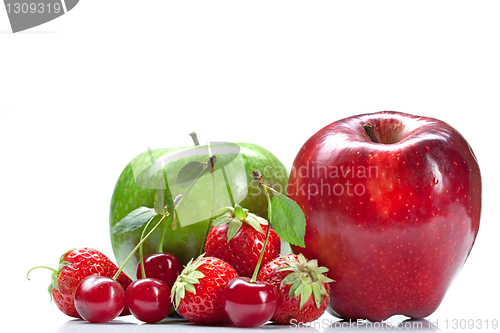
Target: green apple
{"points": [[156, 175]]}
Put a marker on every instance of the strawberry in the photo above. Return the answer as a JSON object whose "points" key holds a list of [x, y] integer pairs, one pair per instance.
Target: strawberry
{"points": [[238, 238], [74, 266], [303, 291], [198, 290]]}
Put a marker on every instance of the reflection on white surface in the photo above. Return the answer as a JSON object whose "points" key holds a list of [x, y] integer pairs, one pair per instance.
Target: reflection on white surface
{"points": [[169, 325], [324, 324]]}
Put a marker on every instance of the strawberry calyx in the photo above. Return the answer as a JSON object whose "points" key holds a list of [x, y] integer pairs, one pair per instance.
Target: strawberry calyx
{"points": [[186, 280], [53, 280], [235, 217], [306, 279]]}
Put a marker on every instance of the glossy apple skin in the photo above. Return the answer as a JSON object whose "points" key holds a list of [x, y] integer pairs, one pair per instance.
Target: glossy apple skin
{"points": [[185, 242], [395, 238]]}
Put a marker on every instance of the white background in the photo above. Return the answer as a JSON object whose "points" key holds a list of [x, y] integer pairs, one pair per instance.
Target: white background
{"points": [[82, 95]]}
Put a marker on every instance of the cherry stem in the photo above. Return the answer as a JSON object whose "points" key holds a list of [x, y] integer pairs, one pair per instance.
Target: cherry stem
{"points": [[370, 132], [138, 246], [269, 213], [141, 254], [160, 244]]}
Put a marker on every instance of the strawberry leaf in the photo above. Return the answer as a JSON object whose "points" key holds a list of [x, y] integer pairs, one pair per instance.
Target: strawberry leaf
{"points": [[288, 220], [305, 294], [317, 294], [240, 213], [221, 220], [254, 223], [295, 285], [305, 278], [134, 220], [257, 218], [186, 280], [232, 229], [289, 279]]}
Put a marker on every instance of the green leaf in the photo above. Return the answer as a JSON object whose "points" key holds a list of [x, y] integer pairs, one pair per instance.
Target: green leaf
{"points": [[226, 208], [289, 279], [317, 294], [322, 269], [285, 268], [257, 218], [189, 173], [294, 287], [197, 274], [288, 220], [305, 294], [134, 220], [302, 259], [324, 279], [322, 289], [240, 213], [191, 280], [299, 289], [232, 228], [179, 294], [313, 264], [252, 221], [189, 287], [221, 220]]}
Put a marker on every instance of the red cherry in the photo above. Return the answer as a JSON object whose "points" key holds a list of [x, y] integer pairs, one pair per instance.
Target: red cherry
{"points": [[148, 299], [248, 303], [161, 266], [99, 299]]}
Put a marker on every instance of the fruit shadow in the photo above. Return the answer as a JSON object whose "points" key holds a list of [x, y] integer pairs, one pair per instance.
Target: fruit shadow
{"points": [[177, 325], [181, 325], [26, 32], [82, 326]]}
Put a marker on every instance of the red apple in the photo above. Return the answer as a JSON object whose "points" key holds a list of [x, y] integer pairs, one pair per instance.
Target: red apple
{"points": [[393, 221]]}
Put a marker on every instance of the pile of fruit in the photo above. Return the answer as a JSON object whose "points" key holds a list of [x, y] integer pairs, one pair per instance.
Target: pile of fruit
{"points": [[392, 204], [224, 285], [240, 278]]}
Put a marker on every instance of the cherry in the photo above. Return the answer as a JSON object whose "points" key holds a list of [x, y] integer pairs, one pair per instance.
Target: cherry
{"points": [[161, 266], [148, 299], [99, 299], [249, 303]]}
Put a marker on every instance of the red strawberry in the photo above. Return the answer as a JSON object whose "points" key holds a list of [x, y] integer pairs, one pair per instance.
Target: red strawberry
{"points": [[303, 290], [238, 238], [198, 290], [74, 266]]}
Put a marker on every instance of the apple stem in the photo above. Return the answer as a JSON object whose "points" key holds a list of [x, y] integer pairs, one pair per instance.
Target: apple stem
{"points": [[370, 132], [195, 138]]}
